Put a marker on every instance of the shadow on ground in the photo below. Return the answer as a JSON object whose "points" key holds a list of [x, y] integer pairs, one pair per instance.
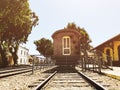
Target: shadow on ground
{"points": [[62, 69]]}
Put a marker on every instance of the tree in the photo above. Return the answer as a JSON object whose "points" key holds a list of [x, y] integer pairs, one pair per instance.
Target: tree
{"points": [[84, 41], [80, 30], [44, 46], [71, 26], [16, 22]]}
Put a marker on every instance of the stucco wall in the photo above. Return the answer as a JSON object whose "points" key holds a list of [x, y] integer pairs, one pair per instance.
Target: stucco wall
{"points": [[114, 55]]}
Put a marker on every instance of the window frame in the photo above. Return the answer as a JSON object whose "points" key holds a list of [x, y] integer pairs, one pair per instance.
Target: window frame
{"points": [[66, 45]]}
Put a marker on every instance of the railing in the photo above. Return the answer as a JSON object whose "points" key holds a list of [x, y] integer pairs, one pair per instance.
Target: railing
{"points": [[95, 63]]}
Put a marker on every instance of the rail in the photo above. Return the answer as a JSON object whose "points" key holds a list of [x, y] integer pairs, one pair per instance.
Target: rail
{"points": [[44, 82], [95, 84], [91, 82], [8, 73]]}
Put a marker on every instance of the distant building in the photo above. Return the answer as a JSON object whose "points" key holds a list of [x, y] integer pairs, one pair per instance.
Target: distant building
{"points": [[23, 56], [110, 51], [38, 59]]}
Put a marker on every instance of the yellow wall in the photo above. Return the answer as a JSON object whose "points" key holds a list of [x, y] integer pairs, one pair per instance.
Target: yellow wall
{"points": [[116, 44], [105, 55], [114, 57]]}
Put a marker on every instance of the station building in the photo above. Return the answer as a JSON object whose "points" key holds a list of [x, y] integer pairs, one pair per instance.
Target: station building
{"points": [[110, 51]]}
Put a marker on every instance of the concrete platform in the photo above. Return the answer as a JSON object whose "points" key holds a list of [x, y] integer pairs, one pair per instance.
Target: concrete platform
{"points": [[115, 73]]}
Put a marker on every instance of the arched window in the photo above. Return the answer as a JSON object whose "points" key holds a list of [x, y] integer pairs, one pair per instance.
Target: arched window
{"points": [[66, 45]]}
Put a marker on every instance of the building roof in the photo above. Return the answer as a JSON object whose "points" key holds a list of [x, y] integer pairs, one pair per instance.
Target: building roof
{"points": [[115, 38], [66, 30], [24, 47]]}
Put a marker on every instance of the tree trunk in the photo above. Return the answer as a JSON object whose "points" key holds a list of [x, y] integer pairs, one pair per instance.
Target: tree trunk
{"points": [[3, 57], [14, 54]]}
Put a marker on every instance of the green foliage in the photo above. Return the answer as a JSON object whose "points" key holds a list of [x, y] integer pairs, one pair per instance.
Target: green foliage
{"points": [[44, 46], [81, 30], [71, 26], [16, 22], [85, 39]]}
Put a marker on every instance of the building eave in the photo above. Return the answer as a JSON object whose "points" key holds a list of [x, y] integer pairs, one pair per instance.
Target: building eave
{"points": [[115, 38]]}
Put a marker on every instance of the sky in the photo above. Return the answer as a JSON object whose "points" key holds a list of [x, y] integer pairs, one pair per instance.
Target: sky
{"points": [[100, 18]]}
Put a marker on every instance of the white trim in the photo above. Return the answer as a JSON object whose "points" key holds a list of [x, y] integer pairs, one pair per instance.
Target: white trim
{"points": [[66, 45]]}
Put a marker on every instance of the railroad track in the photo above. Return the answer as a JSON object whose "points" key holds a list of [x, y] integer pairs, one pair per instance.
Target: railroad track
{"points": [[68, 80], [11, 72], [108, 82]]}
